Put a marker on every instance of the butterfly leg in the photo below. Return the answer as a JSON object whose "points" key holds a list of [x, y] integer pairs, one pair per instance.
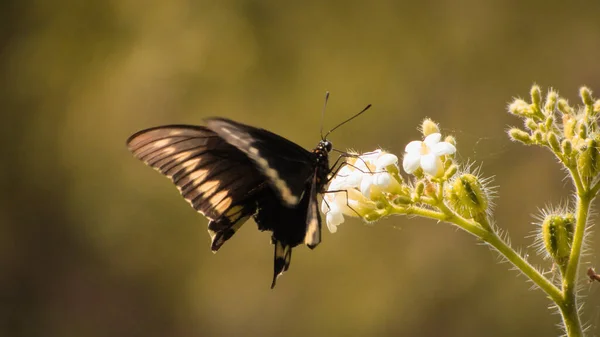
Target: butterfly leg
{"points": [[347, 202]]}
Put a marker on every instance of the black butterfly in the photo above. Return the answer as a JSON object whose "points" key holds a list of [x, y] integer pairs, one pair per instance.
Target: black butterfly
{"points": [[230, 172]]}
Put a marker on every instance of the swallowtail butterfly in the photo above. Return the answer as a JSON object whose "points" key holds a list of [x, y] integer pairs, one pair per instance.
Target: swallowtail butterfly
{"points": [[229, 172]]}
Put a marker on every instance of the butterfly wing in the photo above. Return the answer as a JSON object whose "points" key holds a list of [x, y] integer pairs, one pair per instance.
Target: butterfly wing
{"points": [[288, 225], [216, 178], [287, 165]]}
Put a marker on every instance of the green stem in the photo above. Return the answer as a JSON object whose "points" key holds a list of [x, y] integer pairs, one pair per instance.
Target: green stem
{"points": [[495, 241], [525, 267], [568, 307]]}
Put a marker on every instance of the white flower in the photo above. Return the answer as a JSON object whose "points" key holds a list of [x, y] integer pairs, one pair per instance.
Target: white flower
{"points": [[426, 155], [355, 183]]}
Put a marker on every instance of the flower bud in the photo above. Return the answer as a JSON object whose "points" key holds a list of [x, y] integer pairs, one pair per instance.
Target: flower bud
{"points": [[531, 124], [451, 171], [536, 96], [549, 123], [419, 188], [586, 96], [550, 105], [557, 234], [553, 142], [429, 127], [583, 131], [470, 194], [451, 140], [569, 124], [587, 163], [519, 136], [564, 108], [519, 108], [567, 147], [538, 136]]}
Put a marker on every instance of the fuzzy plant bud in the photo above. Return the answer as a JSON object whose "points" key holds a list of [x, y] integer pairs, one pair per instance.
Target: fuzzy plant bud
{"points": [[531, 124], [519, 108], [519, 135], [557, 235], [538, 136], [549, 123], [553, 142], [583, 131], [469, 196], [551, 100], [597, 107], [587, 163], [569, 125], [419, 188], [451, 171], [586, 96], [429, 127], [536, 96], [567, 147], [564, 108]]}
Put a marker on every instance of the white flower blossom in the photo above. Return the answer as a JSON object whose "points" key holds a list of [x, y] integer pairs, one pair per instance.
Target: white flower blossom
{"points": [[355, 183], [426, 155]]}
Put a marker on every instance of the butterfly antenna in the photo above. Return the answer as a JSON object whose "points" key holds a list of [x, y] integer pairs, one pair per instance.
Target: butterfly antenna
{"points": [[347, 120], [323, 113]]}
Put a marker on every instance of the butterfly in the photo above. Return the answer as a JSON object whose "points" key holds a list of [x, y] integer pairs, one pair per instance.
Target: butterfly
{"points": [[230, 172]]}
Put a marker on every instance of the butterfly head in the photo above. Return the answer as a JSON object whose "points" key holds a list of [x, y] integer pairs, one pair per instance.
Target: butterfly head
{"points": [[325, 145]]}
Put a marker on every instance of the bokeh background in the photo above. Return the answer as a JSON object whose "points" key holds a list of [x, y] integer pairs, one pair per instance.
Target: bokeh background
{"points": [[92, 243]]}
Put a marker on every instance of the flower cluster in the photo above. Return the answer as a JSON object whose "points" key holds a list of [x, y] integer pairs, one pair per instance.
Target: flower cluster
{"points": [[358, 184], [370, 186], [572, 134]]}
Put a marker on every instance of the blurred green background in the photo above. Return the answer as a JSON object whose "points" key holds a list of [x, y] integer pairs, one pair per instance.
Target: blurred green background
{"points": [[92, 243]]}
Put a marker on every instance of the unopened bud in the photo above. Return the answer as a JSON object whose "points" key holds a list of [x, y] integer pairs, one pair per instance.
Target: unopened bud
{"points": [[536, 96], [419, 188], [553, 142], [564, 108], [569, 124], [587, 163], [519, 108], [531, 124], [519, 136], [470, 194], [550, 105], [567, 147], [429, 127], [538, 136], [583, 131], [549, 123], [586, 96], [557, 233], [451, 171]]}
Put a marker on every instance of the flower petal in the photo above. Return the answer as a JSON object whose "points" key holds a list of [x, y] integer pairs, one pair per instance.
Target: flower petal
{"points": [[413, 147], [443, 148], [382, 179], [365, 185], [429, 164], [333, 220], [432, 139], [385, 160], [411, 162]]}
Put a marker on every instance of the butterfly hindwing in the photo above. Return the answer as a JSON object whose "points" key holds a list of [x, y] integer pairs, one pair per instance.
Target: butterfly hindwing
{"points": [[287, 165], [217, 179], [230, 172]]}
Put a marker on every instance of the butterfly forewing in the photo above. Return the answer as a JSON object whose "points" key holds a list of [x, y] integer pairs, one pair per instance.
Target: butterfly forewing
{"points": [[286, 165], [216, 178], [230, 172]]}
